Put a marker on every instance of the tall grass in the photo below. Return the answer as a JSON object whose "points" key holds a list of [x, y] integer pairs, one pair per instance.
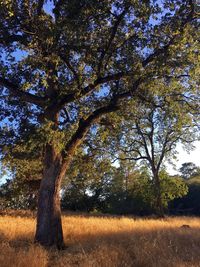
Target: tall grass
{"points": [[103, 241]]}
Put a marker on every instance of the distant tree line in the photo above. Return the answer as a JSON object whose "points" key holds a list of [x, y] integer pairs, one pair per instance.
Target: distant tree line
{"points": [[100, 187]]}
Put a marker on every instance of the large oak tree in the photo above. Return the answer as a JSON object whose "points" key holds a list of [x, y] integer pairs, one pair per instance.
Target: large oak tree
{"points": [[64, 67]]}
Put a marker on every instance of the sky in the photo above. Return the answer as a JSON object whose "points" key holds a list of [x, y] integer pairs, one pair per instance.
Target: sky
{"points": [[183, 156]]}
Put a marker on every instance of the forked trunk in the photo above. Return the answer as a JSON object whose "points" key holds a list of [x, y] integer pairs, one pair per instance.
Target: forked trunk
{"points": [[49, 227]]}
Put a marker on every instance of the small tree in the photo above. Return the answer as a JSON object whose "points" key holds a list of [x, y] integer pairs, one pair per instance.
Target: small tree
{"points": [[87, 181], [171, 188], [189, 169]]}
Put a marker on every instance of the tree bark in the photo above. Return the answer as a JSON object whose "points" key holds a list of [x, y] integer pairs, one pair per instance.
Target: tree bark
{"points": [[158, 195], [49, 226]]}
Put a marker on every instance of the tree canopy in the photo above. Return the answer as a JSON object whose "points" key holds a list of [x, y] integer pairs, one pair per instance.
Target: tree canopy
{"points": [[84, 57]]}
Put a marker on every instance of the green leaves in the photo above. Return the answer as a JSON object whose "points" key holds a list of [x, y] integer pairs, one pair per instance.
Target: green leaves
{"points": [[171, 188]]}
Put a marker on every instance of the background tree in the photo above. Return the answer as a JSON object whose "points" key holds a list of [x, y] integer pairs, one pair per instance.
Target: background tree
{"points": [[151, 134], [17, 194], [87, 183], [171, 188], [189, 204], [61, 71], [188, 170], [118, 190]]}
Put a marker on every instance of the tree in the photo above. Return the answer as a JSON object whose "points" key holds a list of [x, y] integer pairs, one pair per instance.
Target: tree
{"points": [[62, 71], [87, 181], [151, 134], [118, 190], [17, 194], [189, 204], [189, 169], [171, 188]]}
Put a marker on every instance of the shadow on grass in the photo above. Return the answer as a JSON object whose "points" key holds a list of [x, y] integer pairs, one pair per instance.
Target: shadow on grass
{"points": [[165, 246], [147, 248], [20, 213]]}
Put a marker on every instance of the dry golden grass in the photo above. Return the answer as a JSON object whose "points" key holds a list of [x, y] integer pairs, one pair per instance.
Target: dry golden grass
{"points": [[105, 242]]}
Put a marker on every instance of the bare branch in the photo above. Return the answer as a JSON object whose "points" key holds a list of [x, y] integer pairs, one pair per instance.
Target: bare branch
{"points": [[145, 143], [130, 158]]}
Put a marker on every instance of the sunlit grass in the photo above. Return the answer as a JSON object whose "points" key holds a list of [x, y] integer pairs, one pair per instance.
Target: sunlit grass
{"points": [[103, 241]]}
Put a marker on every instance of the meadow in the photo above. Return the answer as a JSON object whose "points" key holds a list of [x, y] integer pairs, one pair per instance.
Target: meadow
{"points": [[95, 241]]}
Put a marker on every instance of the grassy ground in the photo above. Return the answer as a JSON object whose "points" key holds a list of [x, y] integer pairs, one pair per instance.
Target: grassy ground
{"points": [[105, 242]]}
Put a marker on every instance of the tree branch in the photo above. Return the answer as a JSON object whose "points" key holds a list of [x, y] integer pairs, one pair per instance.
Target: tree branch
{"points": [[110, 40], [130, 158], [25, 96], [86, 90], [71, 68], [84, 126], [8, 39], [40, 7], [113, 77], [144, 143]]}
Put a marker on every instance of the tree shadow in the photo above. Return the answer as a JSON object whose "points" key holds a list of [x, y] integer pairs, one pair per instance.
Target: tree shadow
{"points": [[162, 247], [138, 246]]}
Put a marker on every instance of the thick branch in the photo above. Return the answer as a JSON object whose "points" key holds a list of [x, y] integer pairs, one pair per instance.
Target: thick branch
{"points": [[40, 7], [85, 91], [25, 96], [84, 126], [130, 158], [102, 80], [7, 39], [110, 40]]}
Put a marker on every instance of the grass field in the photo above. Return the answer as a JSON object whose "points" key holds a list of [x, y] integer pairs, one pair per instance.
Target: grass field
{"points": [[105, 242]]}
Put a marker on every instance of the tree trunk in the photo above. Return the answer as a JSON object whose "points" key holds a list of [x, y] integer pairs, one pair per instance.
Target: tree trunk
{"points": [[49, 227], [158, 195], [159, 205]]}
